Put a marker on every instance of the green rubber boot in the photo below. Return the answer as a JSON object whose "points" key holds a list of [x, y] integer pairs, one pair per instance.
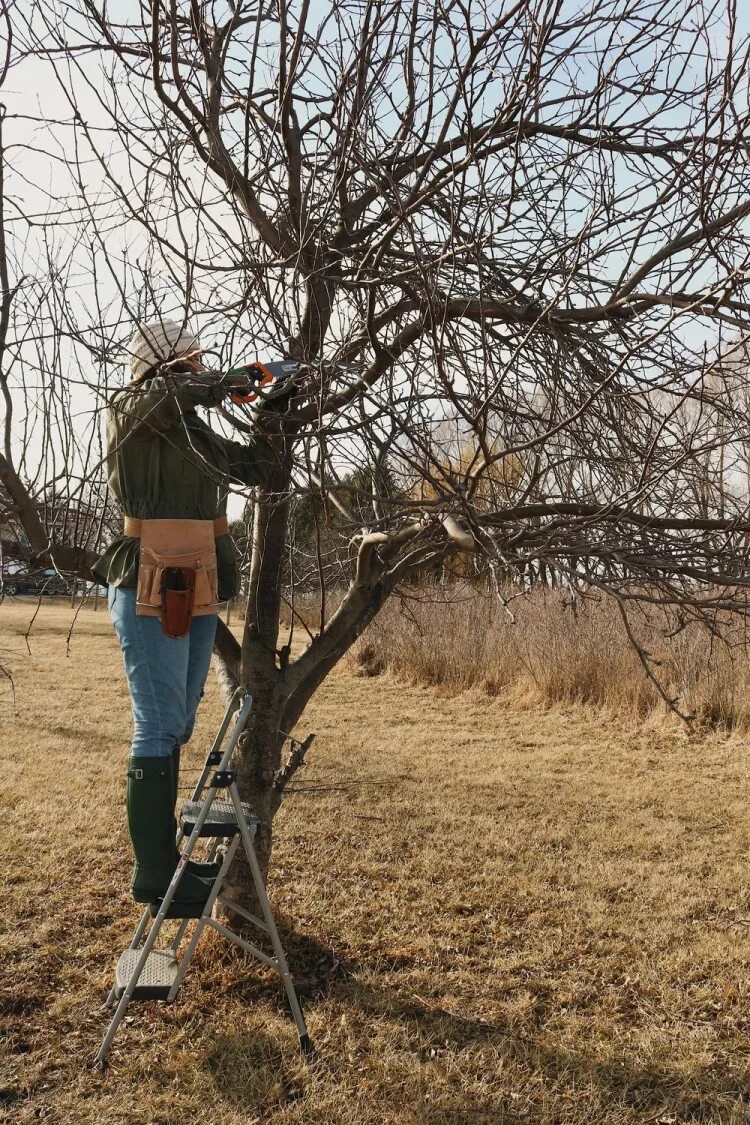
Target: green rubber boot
{"points": [[150, 804], [202, 870]]}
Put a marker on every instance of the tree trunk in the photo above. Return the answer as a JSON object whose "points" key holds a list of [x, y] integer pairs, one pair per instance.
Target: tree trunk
{"points": [[259, 755], [259, 759]]}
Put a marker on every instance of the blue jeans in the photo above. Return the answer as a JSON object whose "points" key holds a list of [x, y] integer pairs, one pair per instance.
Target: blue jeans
{"points": [[165, 674]]}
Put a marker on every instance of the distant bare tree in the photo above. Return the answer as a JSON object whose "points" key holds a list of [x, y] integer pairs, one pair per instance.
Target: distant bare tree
{"points": [[525, 223]]}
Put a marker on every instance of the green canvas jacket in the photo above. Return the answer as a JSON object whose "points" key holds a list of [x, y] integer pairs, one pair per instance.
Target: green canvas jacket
{"points": [[164, 462]]}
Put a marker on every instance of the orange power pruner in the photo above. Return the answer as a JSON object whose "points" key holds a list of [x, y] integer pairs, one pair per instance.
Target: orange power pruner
{"points": [[261, 374]]}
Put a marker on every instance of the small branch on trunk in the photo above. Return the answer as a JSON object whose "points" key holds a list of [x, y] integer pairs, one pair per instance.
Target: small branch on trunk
{"points": [[295, 760]]}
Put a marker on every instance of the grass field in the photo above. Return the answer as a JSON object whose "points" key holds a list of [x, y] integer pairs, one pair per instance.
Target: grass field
{"points": [[494, 914]]}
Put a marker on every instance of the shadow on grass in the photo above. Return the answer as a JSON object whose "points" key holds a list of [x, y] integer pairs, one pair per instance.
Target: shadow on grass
{"points": [[250, 1071], [315, 967], [642, 1090]]}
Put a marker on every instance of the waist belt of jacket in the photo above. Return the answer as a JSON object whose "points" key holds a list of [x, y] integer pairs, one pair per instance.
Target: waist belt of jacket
{"points": [[133, 527]]}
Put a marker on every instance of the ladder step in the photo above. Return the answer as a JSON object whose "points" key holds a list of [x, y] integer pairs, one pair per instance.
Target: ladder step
{"points": [[157, 976], [221, 819]]}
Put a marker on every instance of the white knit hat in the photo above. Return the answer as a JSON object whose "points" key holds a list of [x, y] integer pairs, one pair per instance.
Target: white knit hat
{"points": [[157, 341]]}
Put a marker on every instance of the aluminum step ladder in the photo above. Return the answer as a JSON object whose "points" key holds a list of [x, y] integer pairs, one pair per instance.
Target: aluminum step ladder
{"points": [[145, 972]]}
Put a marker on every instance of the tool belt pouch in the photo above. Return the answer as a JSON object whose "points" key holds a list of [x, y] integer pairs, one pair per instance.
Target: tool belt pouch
{"points": [[177, 596], [177, 573]]}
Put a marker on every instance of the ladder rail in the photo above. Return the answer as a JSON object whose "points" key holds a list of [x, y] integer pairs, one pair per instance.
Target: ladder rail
{"points": [[244, 835], [237, 694], [203, 920], [248, 947], [273, 933], [235, 906], [166, 902], [245, 706]]}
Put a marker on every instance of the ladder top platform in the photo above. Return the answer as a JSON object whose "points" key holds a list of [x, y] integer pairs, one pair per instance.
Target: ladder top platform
{"points": [[221, 819]]}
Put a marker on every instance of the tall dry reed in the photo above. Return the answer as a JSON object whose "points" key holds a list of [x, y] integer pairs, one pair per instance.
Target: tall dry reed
{"points": [[552, 651]]}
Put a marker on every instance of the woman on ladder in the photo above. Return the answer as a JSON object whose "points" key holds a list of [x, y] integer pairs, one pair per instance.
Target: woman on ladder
{"points": [[169, 573]]}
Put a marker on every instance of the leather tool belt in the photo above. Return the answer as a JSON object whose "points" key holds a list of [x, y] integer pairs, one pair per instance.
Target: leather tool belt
{"points": [[177, 570]]}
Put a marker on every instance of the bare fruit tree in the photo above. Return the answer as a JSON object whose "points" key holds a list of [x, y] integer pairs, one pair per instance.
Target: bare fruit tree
{"points": [[509, 242]]}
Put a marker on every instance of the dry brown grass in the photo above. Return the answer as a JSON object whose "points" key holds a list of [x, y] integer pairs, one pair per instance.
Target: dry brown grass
{"points": [[497, 915], [458, 639]]}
